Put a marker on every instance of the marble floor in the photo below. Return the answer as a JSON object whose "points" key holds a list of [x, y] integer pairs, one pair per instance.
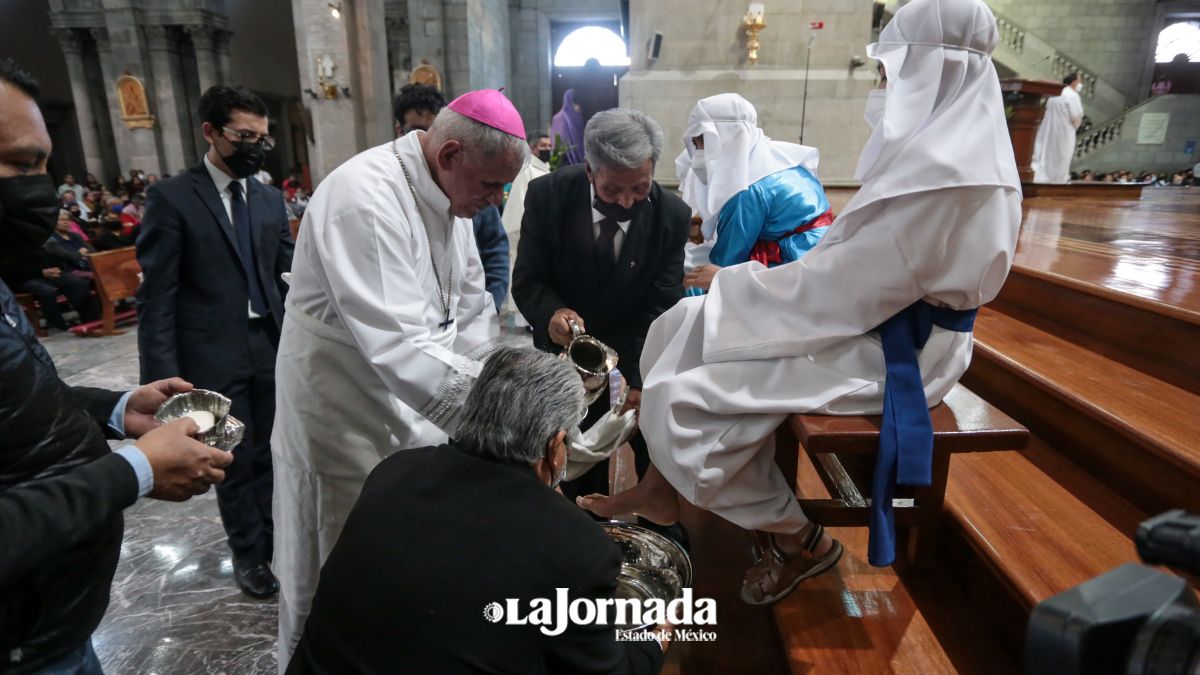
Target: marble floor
{"points": [[174, 609]]}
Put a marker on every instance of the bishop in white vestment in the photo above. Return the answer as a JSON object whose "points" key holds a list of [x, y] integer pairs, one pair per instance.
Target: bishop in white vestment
{"points": [[386, 325]]}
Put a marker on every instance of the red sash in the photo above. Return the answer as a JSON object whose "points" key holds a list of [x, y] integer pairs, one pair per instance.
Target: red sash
{"points": [[767, 252]]}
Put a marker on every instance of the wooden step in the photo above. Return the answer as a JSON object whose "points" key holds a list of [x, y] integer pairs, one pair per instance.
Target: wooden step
{"points": [[1156, 338], [1037, 524], [1135, 433], [862, 619]]}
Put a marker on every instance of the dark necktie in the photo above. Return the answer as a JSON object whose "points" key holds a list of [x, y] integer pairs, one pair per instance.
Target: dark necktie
{"points": [[606, 256], [245, 244]]}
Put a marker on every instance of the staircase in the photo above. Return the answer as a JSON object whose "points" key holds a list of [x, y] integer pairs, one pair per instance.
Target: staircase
{"points": [[1114, 144], [1109, 384], [1032, 57]]}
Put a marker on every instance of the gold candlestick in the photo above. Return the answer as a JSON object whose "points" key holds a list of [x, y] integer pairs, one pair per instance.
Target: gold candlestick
{"points": [[753, 23]]}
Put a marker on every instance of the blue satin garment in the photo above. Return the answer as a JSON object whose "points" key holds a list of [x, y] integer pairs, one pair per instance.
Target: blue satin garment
{"points": [[769, 210], [906, 434]]}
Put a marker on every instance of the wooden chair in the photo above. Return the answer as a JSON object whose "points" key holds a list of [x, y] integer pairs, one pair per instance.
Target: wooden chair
{"points": [[843, 448], [32, 312], [116, 275]]}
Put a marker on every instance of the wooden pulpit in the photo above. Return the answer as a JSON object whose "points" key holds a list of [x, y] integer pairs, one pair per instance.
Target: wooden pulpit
{"points": [[1026, 98]]}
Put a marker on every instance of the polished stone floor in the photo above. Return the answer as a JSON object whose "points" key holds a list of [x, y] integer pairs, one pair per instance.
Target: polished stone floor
{"points": [[174, 609]]}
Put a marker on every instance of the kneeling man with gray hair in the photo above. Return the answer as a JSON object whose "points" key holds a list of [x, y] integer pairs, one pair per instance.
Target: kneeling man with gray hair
{"points": [[439, 534]]}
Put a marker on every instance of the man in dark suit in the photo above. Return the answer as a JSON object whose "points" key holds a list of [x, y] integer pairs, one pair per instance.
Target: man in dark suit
{"points": [[439, 534], [213, 245], [62, 490], [602, 245]]}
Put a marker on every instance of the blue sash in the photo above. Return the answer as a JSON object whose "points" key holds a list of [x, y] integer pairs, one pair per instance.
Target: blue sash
{"points": [[906, 435]]}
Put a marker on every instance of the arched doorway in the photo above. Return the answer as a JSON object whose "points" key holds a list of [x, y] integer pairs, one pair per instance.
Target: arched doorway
{"points": [[589, 58], [1177, 58]]}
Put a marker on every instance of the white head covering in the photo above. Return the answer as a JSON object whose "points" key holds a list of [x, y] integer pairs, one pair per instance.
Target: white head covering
{"points": [[943, 122], [736, 153]]}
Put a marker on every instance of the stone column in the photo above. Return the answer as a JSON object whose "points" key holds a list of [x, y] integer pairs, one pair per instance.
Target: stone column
{"points": [[89, 135], [204, 43], [357, 45], [222, 46], [136, 148], [173, 116]]}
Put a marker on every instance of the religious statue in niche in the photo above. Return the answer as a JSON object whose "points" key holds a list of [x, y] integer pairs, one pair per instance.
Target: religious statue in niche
{"points": [[426, 74], [135, 111]]}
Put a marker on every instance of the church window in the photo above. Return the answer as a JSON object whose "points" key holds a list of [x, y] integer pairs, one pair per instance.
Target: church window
{"points": [[591, 42]]}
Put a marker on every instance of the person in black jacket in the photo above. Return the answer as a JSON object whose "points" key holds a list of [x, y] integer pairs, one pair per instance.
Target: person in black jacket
{"points": [[439, 534], [213, 244], [65, 247], [62, 490], [602, 245]]}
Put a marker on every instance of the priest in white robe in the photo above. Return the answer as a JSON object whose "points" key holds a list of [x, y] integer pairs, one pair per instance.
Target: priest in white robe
{"points": [[1054, 146], [387, 323], [928, 238]]}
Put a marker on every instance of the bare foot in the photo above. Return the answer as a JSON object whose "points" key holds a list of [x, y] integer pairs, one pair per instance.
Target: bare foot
{"points": [[653, 499]]}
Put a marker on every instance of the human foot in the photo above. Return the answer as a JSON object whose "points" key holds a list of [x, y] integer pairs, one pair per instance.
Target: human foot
{"points": [[786, 561], [656, 502]]}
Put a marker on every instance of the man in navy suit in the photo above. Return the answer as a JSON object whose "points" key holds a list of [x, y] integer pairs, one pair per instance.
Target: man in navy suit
{"points": [[213, 244]]}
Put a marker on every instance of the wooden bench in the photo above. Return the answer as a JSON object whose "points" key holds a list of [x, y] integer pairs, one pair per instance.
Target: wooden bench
{"points": [[32, 312], [116, 277], [892, 621], [843, 448]]}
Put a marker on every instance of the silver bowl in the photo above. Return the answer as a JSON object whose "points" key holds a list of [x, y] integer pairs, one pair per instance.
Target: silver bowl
{"points": [[652, 566], [203, 400]]}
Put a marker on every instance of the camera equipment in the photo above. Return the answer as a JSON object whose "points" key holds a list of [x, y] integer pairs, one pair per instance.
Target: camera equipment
{"points": [[1134, 620]]}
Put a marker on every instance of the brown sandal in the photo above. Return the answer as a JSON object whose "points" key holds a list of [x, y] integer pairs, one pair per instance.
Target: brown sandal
{"points": [[775, 573]]}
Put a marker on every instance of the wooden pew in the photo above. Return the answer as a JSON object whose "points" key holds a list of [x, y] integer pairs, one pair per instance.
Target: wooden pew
{"points": [[32, 312], [117, 278], [843, 450]]}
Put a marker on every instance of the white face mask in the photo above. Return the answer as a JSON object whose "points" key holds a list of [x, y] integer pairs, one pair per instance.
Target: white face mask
{"points": [[699, 168], [875, 104]]}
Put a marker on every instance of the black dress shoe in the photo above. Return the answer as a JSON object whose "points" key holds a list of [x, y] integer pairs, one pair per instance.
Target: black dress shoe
{"points": [[255, 579]]}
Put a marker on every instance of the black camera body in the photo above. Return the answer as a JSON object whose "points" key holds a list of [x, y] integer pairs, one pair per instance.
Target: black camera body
{"points": [[1134, 620]]}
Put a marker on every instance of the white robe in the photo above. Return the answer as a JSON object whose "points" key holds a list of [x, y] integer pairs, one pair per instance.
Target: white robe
{"points": [[723, 371], [514, 212], [1054, 146], [364, 369]]}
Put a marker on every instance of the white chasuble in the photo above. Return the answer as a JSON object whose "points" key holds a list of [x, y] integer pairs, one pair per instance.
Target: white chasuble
{"points": [[369, 362]]}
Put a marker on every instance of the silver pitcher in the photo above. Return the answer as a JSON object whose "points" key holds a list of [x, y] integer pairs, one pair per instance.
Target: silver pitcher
{"points": [[593, 360]]}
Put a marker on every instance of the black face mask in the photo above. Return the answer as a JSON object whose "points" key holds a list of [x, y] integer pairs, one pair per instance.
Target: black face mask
{"points": [[544, 155], [246, 160], [620, 213], [28, 214]]}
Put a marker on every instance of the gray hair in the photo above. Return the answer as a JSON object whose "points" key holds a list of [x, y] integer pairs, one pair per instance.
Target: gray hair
{"points": [[622, 138], [520, 401], [476, 137]]}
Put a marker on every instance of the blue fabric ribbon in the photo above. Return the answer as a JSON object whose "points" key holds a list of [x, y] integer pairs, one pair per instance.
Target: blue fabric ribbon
{"points": [[906, 435]]}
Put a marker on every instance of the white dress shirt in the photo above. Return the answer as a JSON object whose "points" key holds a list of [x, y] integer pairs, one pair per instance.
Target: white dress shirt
{"points": [[223, 180], [619, 237]]}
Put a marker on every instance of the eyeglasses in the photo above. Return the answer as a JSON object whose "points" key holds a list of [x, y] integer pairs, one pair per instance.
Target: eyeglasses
{"points": [[266, 142]]}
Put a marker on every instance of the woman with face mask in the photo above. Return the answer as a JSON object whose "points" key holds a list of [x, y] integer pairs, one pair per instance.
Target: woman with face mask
{"points": [[760, 198]]}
